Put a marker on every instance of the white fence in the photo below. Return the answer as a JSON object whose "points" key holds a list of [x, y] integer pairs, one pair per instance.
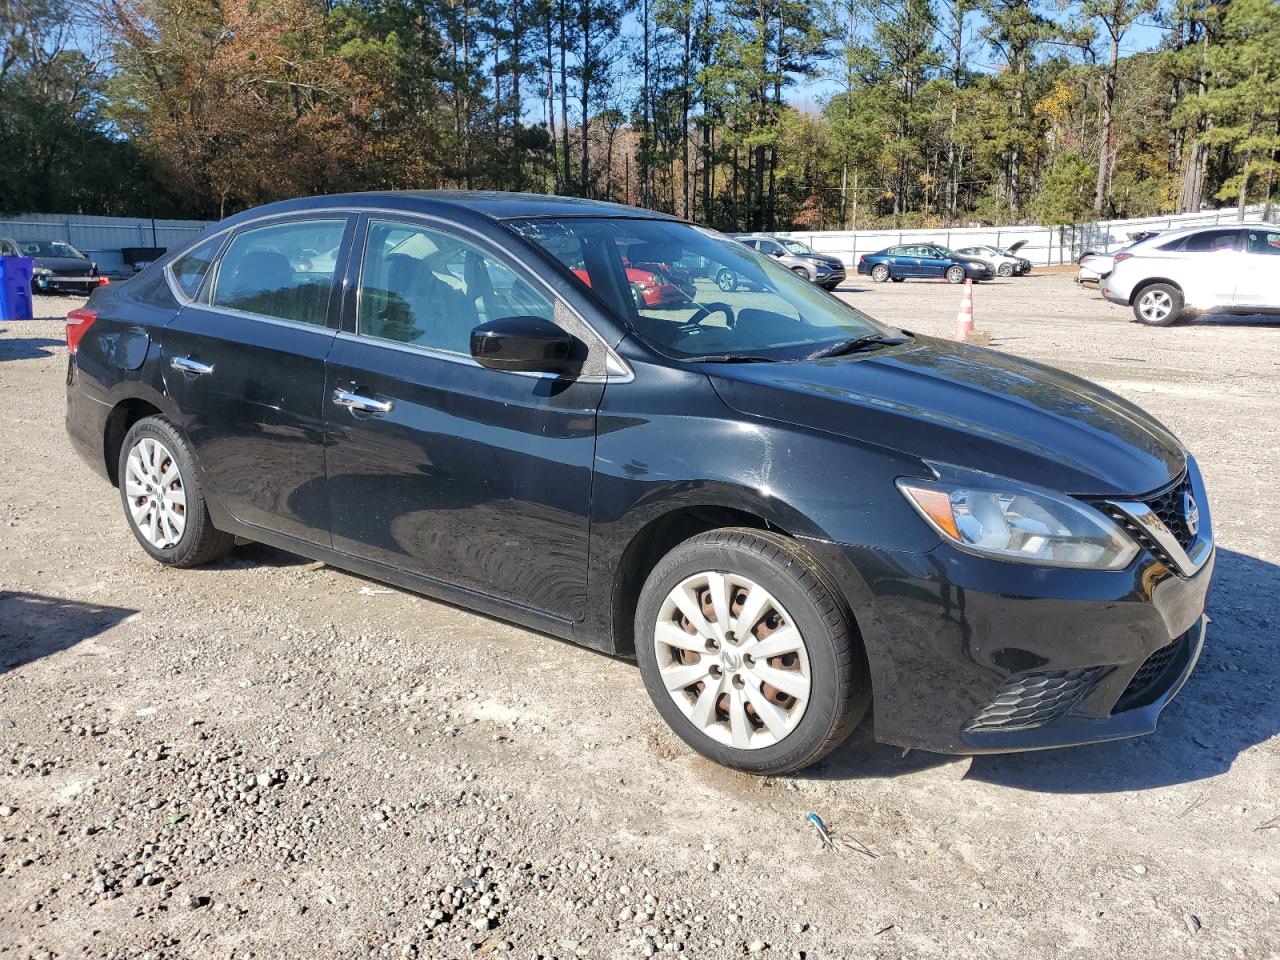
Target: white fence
{"points": [[102, 238], [1042, 245]]}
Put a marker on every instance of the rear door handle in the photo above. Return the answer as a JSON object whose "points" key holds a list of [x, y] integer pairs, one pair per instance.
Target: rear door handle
{"points": [[356, 401], [192, 368]]}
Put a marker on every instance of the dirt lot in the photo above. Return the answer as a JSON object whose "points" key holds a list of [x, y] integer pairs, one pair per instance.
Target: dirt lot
{"points": [[270, 758]]}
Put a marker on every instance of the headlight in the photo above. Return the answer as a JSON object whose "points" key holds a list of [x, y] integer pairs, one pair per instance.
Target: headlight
{"points": [[1022, 524], [42, 272]]}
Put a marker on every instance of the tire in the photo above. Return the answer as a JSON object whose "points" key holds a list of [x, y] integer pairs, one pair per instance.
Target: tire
{"points": [[1157, 305], [637, 297], [726, 280], [955, 273], [899, 279], [831, 287], [880, 273], [1005, 270], [160, 448], [822, 708], [800, 272]]}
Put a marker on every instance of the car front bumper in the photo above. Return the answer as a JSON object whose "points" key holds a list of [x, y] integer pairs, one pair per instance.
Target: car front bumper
{"points": [[43, 283], [971, 655]]}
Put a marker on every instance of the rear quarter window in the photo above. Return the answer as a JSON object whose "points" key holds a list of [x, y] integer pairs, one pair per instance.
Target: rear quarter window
{"points": [[190, 269]]}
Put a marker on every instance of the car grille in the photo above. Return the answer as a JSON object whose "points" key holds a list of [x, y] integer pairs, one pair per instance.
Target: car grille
{"points": [[1168, 507], [1146, 684], [1034, 699]]}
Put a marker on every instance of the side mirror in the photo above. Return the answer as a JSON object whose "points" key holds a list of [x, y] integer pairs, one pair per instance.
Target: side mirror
{"points": [[530, 344]]}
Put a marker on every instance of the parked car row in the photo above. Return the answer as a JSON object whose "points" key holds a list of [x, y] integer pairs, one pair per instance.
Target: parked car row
{"points": [[57, 266], [1221, 269], [923, 260]]}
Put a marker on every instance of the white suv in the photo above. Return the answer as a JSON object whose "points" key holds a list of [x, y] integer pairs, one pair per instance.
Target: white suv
{"points": [[1222, 269]]}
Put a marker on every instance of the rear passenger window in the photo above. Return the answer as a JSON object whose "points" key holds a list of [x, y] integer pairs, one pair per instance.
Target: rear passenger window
{"points": [[283, 271], [1208, 241], [189, 270], [431, 288]]}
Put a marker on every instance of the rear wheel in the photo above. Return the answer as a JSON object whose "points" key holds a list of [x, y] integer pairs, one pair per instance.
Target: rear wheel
{"points": [[726, 280], [880, 273], [163, 503], [1158, 305], [955, 274], [747, 652]]}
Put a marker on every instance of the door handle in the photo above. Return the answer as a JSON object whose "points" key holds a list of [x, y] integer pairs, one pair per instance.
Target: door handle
{"points": [[192, 368], [355, 401]]}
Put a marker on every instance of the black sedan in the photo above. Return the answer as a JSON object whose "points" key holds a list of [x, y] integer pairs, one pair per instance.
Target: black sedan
{"points": [[783, 509], [922, 260], [57, 266]]}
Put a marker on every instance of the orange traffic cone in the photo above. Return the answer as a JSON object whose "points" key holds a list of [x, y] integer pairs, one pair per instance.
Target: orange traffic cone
{"points": [[965, 331]]}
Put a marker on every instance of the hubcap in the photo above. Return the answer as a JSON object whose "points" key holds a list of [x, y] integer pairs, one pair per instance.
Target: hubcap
{"points": [[156, 495], [1155, 305], [732, 660]]}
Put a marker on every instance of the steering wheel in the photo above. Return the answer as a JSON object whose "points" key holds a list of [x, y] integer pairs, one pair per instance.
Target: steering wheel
{"points": [[707, 310]]}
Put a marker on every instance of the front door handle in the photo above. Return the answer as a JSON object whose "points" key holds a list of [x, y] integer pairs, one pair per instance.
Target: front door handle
{"points": [[192, 368], [356, 401]]}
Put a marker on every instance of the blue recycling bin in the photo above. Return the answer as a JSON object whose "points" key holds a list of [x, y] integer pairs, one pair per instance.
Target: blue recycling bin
{"points": [[15, 288]]}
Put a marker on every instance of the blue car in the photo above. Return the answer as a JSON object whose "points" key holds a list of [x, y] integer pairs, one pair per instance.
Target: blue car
{"points": [[921, 260]]}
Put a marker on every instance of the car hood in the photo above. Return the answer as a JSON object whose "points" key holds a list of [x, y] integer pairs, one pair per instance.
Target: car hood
{"points": [[961, 405], [62, 264], [830, 261], [1015, 247]]}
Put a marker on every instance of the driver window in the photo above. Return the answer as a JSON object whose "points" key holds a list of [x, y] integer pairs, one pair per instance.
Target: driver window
{"points": [[1264, 241], [429, 288]]}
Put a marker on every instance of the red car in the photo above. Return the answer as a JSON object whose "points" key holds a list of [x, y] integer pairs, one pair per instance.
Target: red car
{"points": [[650, 288]]}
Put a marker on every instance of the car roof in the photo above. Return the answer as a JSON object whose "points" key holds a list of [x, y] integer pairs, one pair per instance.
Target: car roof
{"points": [[460, 204], [1185, 231]]}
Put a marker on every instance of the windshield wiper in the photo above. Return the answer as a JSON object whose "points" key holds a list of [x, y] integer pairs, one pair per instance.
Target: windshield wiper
{"points": [[854, 345], [729, 358]]}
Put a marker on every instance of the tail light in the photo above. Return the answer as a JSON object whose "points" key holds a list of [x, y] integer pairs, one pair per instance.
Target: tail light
{"points": [[103, 281], [78, 324], [1120, 257]]}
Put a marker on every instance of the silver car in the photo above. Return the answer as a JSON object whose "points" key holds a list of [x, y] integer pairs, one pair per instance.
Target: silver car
{"points": [[820, 268], [1003, 263], [1222, 269]]}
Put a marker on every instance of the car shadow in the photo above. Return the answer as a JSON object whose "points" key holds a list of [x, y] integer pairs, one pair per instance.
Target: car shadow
{"points": [[1228, 706], [1231, 320], [27, 348], [33, 625]]}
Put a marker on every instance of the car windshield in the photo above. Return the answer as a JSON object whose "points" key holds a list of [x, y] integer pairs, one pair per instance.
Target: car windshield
{"points": [[49, 248], [795, 246], [944, 251], [692, 293]]}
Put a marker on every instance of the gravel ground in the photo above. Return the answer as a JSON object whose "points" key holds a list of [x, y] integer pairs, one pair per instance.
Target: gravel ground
{"points": [[271, 758]]}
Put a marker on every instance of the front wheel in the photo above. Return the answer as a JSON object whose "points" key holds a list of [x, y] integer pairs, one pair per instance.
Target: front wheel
{"points": [[163, 503], [955, 274], [1005, 270], [1158, 305], [747, 651], [800, 272], [880, 273], [726, 281]]}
